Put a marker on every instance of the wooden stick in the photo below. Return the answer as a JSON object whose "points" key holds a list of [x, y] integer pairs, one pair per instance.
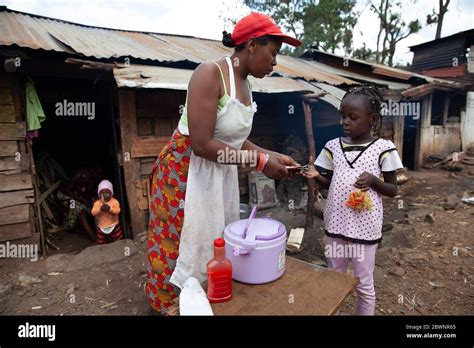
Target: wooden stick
{"points": [[48, 191], [308, 122], [37, 195]]}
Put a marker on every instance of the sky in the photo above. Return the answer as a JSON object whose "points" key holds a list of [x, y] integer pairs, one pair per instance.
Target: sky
{"points": [[206, 18]]}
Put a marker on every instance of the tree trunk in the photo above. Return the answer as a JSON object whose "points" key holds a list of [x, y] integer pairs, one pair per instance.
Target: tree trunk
{"points": [[385, 39], [443, 8], [379, 13]]}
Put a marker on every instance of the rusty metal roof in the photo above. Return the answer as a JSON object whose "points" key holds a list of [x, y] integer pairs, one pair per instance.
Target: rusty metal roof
{"points": [[38, 32], [380, 69], [145, 76], [359, 77]]}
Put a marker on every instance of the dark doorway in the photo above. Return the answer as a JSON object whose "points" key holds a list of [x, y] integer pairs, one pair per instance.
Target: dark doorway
{"points": [[77, 143]]}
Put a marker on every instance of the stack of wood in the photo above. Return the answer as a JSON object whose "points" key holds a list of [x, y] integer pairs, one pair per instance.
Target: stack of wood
{"points": [[49, 176]]}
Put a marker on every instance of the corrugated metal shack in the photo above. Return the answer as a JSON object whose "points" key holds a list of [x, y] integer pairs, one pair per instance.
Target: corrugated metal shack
{"points": [[450, 57], [137, 83], [73, 62], [436, 131]]}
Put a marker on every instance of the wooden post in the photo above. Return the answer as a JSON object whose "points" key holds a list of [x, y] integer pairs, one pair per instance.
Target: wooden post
{"points": [[308, 99], [131, 167], [37, 203]]}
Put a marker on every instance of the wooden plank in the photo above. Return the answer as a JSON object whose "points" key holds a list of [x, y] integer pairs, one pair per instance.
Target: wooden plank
{"points": [[16, 197], [6, 96], [164, 126], [304, 289], [25, 158], [13, 131], [16, 182], [148, 147], [131, 168], [15, 231], [142, 203], [14, 214], [8, 148], [146, 167], [7, 113], [9, 163], [19, 96], [145, 126], [33, 222], [10, 172]]}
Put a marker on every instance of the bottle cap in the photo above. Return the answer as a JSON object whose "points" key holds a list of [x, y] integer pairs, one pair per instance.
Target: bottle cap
{"points": [[219, 242]]}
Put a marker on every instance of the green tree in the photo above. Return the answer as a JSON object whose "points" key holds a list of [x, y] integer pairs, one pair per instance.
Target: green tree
{"points": [[392, 29], [325, 25], [364, 53]]}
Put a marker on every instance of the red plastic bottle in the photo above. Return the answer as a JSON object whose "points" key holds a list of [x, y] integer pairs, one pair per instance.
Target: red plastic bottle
{"points": [[219, 274]]}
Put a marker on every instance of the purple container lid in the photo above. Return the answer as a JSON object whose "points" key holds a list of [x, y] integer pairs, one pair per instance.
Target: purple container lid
{"points": [[265, 229]]}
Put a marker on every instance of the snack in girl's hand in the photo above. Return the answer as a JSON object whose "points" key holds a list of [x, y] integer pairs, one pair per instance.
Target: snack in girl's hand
{"points": [[359, 200]]}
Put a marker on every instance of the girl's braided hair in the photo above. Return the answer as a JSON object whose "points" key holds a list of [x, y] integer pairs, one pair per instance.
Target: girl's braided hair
{"points": [[375, 98]]}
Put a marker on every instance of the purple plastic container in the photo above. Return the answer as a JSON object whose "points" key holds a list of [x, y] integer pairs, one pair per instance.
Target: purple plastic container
{"points": [[256, 248]]}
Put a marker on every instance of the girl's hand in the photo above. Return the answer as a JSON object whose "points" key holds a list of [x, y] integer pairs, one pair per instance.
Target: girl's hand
{"points": [[105, 207], [274, 169], [311, 172], [365, 181]]}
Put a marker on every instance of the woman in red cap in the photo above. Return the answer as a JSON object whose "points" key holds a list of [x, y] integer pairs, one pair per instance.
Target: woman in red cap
{"points": [[194, 189]]}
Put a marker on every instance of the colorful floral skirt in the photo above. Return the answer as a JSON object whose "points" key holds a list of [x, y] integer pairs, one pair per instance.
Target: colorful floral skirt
{"points": [[167, 193]]}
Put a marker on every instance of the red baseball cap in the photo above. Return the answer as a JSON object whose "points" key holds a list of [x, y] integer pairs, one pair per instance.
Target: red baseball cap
{"points": [[257, 24]]}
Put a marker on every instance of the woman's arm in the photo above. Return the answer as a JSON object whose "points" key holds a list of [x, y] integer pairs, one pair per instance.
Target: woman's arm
{"points": [[203, 96], [284, 159]]}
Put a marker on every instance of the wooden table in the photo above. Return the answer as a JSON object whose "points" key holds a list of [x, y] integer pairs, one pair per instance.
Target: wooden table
{"points": [[304, 289]]}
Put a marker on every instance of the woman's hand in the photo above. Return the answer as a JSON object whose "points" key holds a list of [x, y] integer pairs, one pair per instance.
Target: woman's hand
{"points": [[274, 169], [365, 181], [105, 207], [284, 159], [287, 161]]}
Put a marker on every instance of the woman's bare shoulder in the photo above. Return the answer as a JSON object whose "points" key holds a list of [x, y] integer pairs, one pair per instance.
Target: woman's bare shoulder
{"points": [[206, 78]]}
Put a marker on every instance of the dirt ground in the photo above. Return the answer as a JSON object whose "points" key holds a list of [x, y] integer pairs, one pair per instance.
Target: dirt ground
{"points": [[424, 264]]}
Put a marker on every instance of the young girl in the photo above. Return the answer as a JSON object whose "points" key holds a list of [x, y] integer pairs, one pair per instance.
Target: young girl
{"points": [[353, 162], [107, 209]]}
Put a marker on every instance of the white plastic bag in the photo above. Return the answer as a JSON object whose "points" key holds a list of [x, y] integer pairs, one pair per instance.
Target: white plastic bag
{"points": [[193, 300]]}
